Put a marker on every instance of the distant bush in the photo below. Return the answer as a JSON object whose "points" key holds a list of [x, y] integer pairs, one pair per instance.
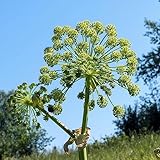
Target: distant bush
{"points": [[16, 137], [138, 121]]}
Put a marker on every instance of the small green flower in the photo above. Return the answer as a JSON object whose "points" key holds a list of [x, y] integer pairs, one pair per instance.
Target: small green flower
{"points": [[42, 90], [98, 27], [81, 95], [57, 95], [82, 47], [124, 42], [48, 50], [72, 33], [57, 109], [133, 89], [53, 75], [66, 29], [91, 104], [48, 56], [46, 98], [57, 44], [82, 26], [112, 41], [24, 101], [68, 41], [132, 61], [127, 52], [102, 101], [116, 55], [67, 56], [99, 49], [121, 69], [90, 32], [36, 100], [44, 69], [118, 111], [95, 39], [111, 30], [58, 30], [45, 79], [124, 80], [23, 86], [106, 90], [31, 86], [131, 70]]}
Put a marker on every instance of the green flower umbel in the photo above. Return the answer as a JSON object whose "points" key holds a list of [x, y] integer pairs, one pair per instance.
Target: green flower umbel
{"points": [[90, 50]]}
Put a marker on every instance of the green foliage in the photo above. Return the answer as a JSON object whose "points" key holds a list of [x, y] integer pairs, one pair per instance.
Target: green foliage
{"points": [[114, 148], [17, 137]]}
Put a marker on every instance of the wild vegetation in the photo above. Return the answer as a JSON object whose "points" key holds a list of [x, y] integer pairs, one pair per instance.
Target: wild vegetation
{"points": [[115, 148], [138, 133], [17, 138]]}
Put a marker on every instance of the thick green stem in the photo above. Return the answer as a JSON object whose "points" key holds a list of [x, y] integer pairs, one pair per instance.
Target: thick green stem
{"points": [[55, 120], [86, 109], [83, 152]]}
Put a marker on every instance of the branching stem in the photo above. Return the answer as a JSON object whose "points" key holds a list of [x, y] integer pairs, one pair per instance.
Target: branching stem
{"points": [[83, 152], [55, 120]]}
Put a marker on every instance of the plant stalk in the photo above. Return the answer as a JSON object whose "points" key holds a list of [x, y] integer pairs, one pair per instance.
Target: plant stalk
{"points": [[59, 123], [83, 152]]}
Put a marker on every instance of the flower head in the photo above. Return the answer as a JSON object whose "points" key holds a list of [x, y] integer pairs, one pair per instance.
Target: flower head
{"points": [[81, 53], [88, 50], [22, 99]]}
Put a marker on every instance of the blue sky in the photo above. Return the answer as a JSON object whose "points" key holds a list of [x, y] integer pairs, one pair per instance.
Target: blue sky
{"points": [[26, 28]]}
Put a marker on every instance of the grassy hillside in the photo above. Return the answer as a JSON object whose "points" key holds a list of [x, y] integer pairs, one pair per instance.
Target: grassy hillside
{"points": [[121, 148]]}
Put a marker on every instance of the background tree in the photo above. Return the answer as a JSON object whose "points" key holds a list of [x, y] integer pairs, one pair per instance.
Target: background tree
{"points": [[146, 115], [149, 68], [128, 125], [16, 137], [143, 118]]}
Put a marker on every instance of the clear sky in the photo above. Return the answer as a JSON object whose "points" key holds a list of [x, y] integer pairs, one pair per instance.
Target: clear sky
{"points": [[26, 28]]}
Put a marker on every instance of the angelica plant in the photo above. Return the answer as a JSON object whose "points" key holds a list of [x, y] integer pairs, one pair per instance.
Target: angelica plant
{"points": [[90, 52]]}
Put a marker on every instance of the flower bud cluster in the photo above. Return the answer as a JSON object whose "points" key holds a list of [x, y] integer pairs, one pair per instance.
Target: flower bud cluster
{"points": [[91, 104], [118, 111], [21, 96], [99, 49], [116, 55], [81, 95], [98, 27], [102, 101], [106, 90], [47, 76], [125, 81], [22, 99], [50, 58], [56, 109], [33, 96], [57, 95], [111, 30]]}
